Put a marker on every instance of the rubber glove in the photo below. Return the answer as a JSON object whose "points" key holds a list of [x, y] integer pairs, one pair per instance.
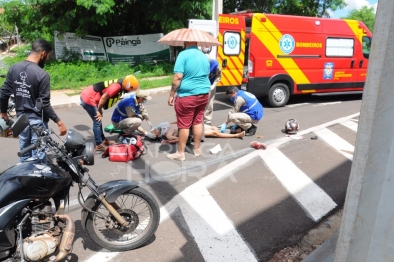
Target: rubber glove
{"points": [[223, 127], [150, 135], [234, 127]]}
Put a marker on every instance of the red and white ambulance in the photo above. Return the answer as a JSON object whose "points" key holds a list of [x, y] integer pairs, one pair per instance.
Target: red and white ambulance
{"points": [[277, 56]]}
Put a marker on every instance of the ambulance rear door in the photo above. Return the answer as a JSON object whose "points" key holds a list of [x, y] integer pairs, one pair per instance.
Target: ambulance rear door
{"points": [[231, 52], [209, 26]]}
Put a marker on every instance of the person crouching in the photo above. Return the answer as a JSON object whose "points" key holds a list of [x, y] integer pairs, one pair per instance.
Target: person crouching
{"points": [[130, 112]]}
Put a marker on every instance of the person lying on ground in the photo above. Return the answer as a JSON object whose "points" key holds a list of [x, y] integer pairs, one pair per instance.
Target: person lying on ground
{"points": [[168, 132]]}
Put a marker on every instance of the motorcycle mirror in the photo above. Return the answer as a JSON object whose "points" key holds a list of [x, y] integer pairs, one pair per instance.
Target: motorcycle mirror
{"points": [[20, 124], [38, 104]]}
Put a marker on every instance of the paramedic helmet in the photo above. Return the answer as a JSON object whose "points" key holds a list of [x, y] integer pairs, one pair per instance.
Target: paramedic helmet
{"points": [[291, 126], [130, 83]]}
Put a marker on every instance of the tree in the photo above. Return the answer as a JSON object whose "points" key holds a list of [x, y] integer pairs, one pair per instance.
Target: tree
{"points": [[40, 18], [365, 14], [102, 17], [318, 8]]}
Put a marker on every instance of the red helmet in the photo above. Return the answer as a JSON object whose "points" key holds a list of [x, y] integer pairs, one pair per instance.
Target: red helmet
{"points": [[130, 83], [291, 126]]}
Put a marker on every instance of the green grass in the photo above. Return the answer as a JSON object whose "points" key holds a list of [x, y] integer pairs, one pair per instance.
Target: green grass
{"points": [[77, 74]]}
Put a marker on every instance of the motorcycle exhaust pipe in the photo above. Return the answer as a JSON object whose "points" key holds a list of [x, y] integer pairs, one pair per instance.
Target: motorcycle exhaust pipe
{"points": [[66, 243]]}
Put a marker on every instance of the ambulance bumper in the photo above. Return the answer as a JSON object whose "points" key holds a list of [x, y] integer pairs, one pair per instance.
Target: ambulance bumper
{"points": [[258, 86]]}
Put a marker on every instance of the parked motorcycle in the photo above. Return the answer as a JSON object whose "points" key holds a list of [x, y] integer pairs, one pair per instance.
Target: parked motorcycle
{"points": [[118, 215]]}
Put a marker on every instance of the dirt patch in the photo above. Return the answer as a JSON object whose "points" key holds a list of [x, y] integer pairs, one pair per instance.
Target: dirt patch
{"points": [[311, 241]]}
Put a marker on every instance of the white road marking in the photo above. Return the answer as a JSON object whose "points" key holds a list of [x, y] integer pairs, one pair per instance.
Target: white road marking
{"points": [[102, 256], [326, 104], [297, 105], [309, 196], [199, 188], [351, 125], [335, 141], [214, 233]]}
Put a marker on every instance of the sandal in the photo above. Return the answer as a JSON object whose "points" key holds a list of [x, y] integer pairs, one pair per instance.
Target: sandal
{"points": [[197, 152], [176, 156]]}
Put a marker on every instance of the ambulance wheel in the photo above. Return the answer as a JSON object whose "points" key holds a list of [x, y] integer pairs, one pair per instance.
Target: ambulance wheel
{"points": [[278, 95]]}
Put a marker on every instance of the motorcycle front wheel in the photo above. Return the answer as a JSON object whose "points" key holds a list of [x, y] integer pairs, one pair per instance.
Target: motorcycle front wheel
{"points": [[138, 207]]}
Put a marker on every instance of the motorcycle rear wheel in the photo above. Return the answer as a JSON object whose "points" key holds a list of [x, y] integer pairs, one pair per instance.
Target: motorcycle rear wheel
{"points": [[136, 206]]}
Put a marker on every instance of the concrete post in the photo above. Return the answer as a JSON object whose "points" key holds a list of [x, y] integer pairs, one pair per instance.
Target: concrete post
{"points": [[217, 8], [367, 229]]}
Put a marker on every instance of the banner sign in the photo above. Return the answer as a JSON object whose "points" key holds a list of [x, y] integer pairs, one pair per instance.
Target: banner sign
{"points": [[136, 49], [88, 47]]}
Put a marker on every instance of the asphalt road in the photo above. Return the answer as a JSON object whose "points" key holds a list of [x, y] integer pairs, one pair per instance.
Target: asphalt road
{"points": [[241, 204]]}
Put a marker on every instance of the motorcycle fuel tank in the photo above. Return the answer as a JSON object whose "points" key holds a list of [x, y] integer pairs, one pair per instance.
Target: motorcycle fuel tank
{"points": [[32, 179]]}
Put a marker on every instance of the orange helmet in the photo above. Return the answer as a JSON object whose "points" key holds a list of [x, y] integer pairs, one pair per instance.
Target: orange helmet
{"points": [[130, 83]]}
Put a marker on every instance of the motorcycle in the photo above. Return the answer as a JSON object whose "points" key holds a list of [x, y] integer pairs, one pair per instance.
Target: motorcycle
{"points": [[118, 215]]}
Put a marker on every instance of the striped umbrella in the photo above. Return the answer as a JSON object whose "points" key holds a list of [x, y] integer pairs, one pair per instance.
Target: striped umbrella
{"points": [[179, 36]]}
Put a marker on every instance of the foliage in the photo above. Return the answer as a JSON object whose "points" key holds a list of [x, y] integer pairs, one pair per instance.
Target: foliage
{"points": [[101, 17], [76, 74], [318, 8], [40, 18], [365, 14]]}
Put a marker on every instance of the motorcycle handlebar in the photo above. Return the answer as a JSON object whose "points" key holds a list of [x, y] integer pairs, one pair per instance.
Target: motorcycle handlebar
{"points": [[27, 149]]}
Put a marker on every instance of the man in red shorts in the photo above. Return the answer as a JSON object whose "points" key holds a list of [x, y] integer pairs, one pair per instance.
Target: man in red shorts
{"points": [[190, 85]]}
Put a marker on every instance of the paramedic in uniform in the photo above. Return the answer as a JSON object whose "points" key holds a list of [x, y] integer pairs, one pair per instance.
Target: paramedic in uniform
{"points": [[130, 112], [246, 113], [104, 95], [215, 74]]}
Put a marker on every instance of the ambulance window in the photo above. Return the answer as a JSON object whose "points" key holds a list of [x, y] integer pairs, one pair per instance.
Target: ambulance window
{"points": [[232, 43], [366, 46], [339, 47], [207, 50]]}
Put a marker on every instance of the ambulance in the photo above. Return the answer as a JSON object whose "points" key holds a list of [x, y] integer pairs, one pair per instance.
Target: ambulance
{"points": [[277, 56]]}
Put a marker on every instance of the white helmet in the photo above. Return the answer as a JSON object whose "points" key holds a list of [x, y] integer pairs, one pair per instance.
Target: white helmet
{"points": [[291, 126], [3, 124]]}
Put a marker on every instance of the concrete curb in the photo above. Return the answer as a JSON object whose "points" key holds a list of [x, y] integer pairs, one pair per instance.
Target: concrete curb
{"points": [[58, 102], [65, 105], [326, 252]]}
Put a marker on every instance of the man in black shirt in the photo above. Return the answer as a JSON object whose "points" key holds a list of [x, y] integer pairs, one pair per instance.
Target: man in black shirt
{"points": [[28, 81]]}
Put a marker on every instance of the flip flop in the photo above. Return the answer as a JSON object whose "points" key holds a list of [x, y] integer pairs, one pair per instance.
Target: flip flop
{"points": [[258, 145]]}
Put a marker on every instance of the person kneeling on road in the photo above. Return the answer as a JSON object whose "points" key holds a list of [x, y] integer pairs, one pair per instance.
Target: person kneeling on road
{"points": [[130, 113], [246, 113]]}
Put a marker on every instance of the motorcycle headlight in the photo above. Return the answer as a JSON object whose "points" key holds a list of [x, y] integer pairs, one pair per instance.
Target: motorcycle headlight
{"points": [[89, 154], [74, 141]]}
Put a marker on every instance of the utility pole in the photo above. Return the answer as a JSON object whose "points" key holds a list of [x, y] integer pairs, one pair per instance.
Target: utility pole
{"points": [[367, 229], [217, 8]]}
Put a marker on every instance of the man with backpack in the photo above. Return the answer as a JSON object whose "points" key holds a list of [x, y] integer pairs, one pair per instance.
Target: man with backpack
{"points": [[104, 95]]}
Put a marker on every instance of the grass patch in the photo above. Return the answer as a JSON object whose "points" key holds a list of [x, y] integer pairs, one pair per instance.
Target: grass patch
{"points": [[76, 75], [153, 83]]}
